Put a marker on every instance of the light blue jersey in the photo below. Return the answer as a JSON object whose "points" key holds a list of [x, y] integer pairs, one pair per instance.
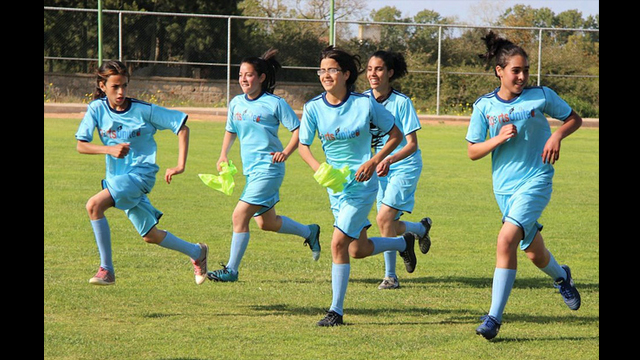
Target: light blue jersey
{"points": [[131, 178], [518, 160], [406, 119], [256, 123], [397, 189], [345, 130], [136, 125]]}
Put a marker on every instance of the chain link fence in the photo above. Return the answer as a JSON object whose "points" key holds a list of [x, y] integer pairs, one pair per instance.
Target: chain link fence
{"points": [[445, 75]]}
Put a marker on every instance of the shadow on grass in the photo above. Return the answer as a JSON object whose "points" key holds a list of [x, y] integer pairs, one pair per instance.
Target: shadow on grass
{"points": [[452, 316], [542, 282]]}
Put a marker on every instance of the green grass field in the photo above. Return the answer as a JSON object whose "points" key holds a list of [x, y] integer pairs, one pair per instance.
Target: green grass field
{"points": [[156, 311]]}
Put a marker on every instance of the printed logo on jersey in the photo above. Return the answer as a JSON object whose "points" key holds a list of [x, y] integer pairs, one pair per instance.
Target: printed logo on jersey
{"points": [[120, 133], [246, 116], [340, 134], [512, 115]]}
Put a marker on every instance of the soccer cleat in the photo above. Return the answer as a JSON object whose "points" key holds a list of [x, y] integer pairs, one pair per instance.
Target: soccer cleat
{"points": [[103, 277], [200, 265], [314, 241], [489, 327], [223, 275], [389, 283], [425, 241], [409, 254], [569, 293], [331, 319]]}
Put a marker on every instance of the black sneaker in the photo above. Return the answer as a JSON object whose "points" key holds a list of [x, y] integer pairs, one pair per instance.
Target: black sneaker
{"points": [[425, 241], [409, 254], [331, 319]]}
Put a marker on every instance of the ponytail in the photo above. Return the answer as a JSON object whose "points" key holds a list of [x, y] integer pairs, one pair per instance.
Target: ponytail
{"points": [[501, 49], [267, 65]]}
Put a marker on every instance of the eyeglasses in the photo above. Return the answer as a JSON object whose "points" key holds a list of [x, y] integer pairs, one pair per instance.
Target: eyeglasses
{"points": [[331, 71]]}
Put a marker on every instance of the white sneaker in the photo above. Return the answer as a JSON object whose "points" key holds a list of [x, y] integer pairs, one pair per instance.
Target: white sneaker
{"points": [[389, 283]]}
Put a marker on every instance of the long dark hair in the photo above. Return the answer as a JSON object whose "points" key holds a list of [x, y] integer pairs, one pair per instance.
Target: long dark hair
{"points": [[501, 49], [393, 61], [108, 68], [265, 64], [346, 61]]}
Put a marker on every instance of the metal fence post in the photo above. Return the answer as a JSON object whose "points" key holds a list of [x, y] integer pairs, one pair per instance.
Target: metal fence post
{"points": [[228, 59]]}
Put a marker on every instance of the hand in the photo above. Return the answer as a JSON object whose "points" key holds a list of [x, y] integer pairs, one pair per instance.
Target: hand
{"points": [[221, 159], [168, 175], [508, 131], [551, 151], [383, 168], [119, 150], [279, 156], [365, 171]]}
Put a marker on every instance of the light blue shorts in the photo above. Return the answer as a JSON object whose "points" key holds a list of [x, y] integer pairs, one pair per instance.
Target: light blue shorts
{"points": [[129, 193], [524, 207], [397, 190], [351, 209], [262, 189]]}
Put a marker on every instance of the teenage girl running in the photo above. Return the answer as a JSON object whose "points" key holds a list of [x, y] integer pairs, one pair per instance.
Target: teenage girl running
{"points": [[396, 191], [126, 127], [523, 151], [254, 118]]}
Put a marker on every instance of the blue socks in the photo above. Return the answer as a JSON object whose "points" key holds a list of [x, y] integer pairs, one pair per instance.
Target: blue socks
{"points": [[503, 280], [239, 243], [390, 263], [339, 281], [415, 227], [103, 240], [554, 270], [293, 227], [174, 243], [382, 244]]}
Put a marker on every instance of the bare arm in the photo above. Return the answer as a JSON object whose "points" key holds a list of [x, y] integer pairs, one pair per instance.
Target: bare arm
{"points": [[551, 151], [227, 142], [183, 150], [117, 151], [307, 156], [291, 147], [366, 170], [412, 145], [479, 150]]}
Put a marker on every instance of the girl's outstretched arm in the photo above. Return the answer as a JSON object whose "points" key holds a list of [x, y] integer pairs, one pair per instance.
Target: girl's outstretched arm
{"points": [[183, 150]]}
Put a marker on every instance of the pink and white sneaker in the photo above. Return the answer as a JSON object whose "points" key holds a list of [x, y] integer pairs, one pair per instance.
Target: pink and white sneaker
{"points": [[200, 265], [103, 277]]}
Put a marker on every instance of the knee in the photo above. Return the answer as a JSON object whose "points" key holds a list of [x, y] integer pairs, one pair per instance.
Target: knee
{"points": [[94, 209]]}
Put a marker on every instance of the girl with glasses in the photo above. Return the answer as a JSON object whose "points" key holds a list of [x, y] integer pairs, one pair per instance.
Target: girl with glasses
{"points": [[345, 122]]}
